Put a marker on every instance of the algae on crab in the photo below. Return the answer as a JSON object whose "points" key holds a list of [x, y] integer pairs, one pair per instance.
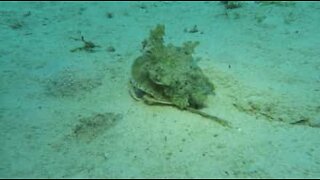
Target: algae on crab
{"points": [[170, 73]]}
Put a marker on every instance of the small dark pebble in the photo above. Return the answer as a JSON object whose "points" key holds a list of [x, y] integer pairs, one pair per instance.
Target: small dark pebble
{"points": [[109, 15], [111, 49], [194, 29], [26, 14]]}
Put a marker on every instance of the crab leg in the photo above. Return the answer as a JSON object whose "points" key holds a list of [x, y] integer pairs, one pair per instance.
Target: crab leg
{"points": [[151, 101], [209, 116]]}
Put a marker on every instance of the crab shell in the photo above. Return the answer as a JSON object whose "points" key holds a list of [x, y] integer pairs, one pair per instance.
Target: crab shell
{"points": [[139, 94], [140, 84]]}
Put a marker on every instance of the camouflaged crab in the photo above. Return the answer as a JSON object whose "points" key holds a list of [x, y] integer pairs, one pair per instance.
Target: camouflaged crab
{"points": [[169, 75]]}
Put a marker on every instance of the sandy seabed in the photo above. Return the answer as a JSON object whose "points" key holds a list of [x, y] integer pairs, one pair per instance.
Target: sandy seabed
{"points": [[67, 114]]}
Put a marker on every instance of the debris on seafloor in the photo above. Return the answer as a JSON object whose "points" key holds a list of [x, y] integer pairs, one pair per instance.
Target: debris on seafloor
{"points": [[88, 46]]}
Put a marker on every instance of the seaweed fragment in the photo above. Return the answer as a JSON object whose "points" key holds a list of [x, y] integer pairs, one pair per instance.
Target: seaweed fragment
{"points": [[88, 46]]}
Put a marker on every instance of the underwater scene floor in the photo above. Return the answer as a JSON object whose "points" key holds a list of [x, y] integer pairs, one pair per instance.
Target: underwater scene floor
{"points": [[66, 109]]}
